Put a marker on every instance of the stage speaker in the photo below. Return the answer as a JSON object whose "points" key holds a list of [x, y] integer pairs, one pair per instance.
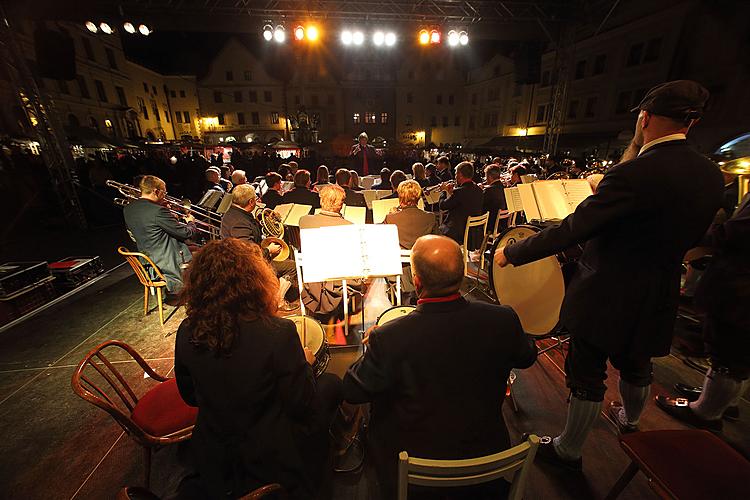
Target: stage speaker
{"points": [[528, 62], [55, 54]]}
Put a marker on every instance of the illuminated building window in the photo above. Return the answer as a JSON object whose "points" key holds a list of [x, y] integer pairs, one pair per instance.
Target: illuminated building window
{"points": [[383, 118], [274, 117], [370, 117], [356, 118]]}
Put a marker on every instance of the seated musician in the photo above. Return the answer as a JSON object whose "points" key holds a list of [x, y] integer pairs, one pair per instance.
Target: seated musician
{"points": [[353, 198], [158, 233], [494, 194], [444, 172], [465, 200], [213, 180], [331, 202], [412, 222], [431, 175], [239, 222], [272, 197], [354, 181], [239, 177], [263, 417], [516, 172], [385, 179], [301, 193], [321, 178], [436, 378], [397, 177]]}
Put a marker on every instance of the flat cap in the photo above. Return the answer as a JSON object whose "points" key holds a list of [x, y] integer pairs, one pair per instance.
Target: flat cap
{"points": [[680, 99]]}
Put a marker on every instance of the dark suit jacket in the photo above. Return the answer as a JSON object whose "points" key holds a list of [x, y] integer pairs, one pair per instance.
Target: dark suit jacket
{"points": [[374, 164], [466, 201], [254, 408], [237, 223], [160, 236], [354, 198], [494, 201], [302, 196], [445, 175], [323, 219], [436, 379], [412, 223], [645, 215], [272, 198]]}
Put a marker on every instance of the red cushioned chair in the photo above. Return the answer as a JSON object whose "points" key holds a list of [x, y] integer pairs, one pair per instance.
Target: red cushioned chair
{"points": [[157, 418], [684, 465]]}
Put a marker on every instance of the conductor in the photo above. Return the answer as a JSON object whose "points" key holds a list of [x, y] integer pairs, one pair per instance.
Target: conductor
{"points": [[364, 157], [621, 304]]}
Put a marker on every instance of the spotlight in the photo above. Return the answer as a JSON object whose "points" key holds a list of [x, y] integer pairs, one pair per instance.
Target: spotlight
{"points": [[424, 37], [452, 38], [91, 27], [463, 38], [278, 34], [378, 38], [144, 30], [346, 37], [434, 36], [390, 39], [106, 29], [299, 33], [128, 26], [268, 32], [358, 38], [312, 33]]}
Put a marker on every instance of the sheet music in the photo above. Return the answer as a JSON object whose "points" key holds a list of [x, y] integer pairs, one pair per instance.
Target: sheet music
{"points": [[576, 191], [340, 252], [551, 200], [381, 208], [528, 202], [433, 197], [513, 200], [355, 215], [296, 213], [286, 186], [283, 209], [370, 195]]}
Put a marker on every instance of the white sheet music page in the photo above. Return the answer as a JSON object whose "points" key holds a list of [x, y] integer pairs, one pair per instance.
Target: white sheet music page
{"points": [[528, 202], [283, 210], [513, 200], [551, 199], [576, 190], [296, 213], [355, 215], [381, 208]]}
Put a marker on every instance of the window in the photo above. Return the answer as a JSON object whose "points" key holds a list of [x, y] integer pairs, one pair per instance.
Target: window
{"points": [[514, 116], [220, 118], [545, 79], [445, 121], [240, 118], [408, 120], [541, 113], [172, 94], [111, 60], [331, 100], [472, 122], [369, 117], [580, 69], [332, 120], [155, 110], [88, 48], [255, 118], [166, 115], [652, 50], [237, 96], [230, 75], [356, 119], [383, 118], [62, 86], [635, 54], [439, 99], [409, 98], [591, 107], [182, 93], [493, 119], [145, 87], [433, 121], [450, 99], [142, 107], [496, 71], [100, 90], [274, 117], [486, 120], [314, 100], [493, 94], [248, 75], [82, 87], [600, 64], [623, 102], [217, 96], [177, 117], [121, 98], [474, 98], [186, 116], [153, 88], [573, 109], [457, 121], [108, 125], [253, 96], [267, 96], [297, 100]]}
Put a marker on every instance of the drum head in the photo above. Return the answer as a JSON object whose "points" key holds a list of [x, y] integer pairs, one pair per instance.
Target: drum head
{"points": [[535, 290], [393, 313], [311, 330]]}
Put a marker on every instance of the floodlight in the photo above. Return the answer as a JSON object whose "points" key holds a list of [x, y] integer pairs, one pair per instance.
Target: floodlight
{"points": [[378, 38], [463, 38], [278, 34], [268, 32], [434, 36], [452, 38], [144, 30], [299, 33], [106, 29], [91, 27], [346, 37], [128, 26], [390, 39], [424, 37], [358, 38], [312, 33]]}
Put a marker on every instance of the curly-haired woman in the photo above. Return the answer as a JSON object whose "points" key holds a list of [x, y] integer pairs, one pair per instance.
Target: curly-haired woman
{"points": [[263, 417]]}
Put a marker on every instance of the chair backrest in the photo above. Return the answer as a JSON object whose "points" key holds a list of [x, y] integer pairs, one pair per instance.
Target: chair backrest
{"points": [[274, 490], [501, 215], [473, 222], [109, 390], [134, 259], [514, 464]]}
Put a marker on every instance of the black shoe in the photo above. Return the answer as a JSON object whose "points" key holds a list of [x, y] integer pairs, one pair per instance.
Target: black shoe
{"points": [[679, 409], [547, 453], [614, 413], [688, 392]]}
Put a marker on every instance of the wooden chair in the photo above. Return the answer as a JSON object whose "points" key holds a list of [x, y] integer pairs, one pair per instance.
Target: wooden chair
{"points": [[134, 259], [684, 465], [514, 464], [157, 418], [274, 490]]}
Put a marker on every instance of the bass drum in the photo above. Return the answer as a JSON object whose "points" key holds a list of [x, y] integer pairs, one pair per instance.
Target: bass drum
{"points": [[535, 290], [312, 336], [393, 313]]}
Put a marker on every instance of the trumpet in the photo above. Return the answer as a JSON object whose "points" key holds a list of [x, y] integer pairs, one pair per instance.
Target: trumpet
{"points": [[438, 187]]}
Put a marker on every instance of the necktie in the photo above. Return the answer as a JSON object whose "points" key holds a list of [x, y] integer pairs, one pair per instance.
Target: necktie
{"points": [[365, 169]]}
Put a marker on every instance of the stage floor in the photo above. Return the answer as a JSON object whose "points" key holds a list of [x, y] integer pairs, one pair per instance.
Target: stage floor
{"points": [[55, 445]]}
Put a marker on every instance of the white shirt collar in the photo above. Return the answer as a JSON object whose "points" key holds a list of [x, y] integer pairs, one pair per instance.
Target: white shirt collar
{"points": [[666, 138]]}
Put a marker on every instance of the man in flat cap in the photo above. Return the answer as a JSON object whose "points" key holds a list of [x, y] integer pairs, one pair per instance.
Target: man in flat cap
{"points": [[621, 303]]}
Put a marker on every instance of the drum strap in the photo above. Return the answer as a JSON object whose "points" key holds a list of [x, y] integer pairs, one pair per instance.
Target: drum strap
{"points": [[447, 298]]}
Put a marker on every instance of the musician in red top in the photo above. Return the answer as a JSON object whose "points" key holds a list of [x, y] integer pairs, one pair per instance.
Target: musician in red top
{"points": [[364, 157]]}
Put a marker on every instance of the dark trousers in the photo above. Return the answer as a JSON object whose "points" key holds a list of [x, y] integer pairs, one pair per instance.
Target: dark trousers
{"points": [[586, 369], [287, 269], [728, 346]]}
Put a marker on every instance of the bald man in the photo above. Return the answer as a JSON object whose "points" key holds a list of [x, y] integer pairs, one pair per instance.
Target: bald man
{"points": [[436, 378]]}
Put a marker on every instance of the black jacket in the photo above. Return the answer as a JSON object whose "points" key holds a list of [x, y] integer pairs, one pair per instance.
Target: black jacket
{"points": [[302, 196], [374, 163], [645, 215], [466, 201], [436, 379], [254, 408], [272, 198], [445, 175], [494, 201], [160, 236], [354, 198], [237, 223]]}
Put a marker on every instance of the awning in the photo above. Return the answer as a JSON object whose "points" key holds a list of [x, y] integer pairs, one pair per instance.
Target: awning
{"points": [[90, 138], [536, 142]]}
